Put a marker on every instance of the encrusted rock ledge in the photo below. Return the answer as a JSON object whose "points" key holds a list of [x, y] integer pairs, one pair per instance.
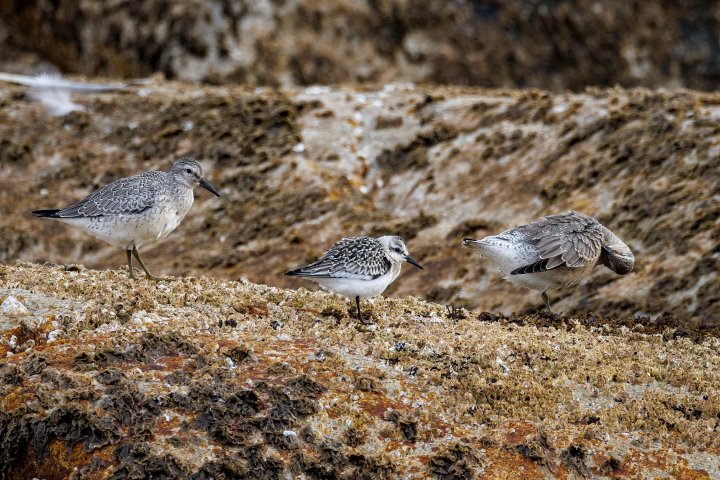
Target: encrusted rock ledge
{"points": [[300, 168], [207, 378]]}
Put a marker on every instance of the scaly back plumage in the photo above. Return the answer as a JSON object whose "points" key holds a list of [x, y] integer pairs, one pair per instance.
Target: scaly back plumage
{"points": [[351, 257]]}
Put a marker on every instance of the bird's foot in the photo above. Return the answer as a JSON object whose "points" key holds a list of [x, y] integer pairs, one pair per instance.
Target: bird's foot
{"points": [[359, 316], [365, 317], [157, 279], [455, 313], [549, 314], [367, 324]]}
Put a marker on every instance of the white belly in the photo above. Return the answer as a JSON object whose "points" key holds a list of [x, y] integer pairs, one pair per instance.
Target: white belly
{"points": [[172, 220], [353, 287], [506, 256], [541, 281], [561, 277], [135, 230]]}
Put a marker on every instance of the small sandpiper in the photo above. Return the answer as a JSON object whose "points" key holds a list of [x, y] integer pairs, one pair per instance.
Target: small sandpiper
{"points": [[358, 267], [136, 211], [556, 251]]}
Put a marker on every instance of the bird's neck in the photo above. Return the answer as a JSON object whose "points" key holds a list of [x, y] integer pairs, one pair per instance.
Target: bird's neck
{"points": [[395, 266]]}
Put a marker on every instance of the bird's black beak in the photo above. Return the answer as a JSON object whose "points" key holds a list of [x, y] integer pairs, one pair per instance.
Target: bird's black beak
{"points": [[412, 261], [206, 185]]}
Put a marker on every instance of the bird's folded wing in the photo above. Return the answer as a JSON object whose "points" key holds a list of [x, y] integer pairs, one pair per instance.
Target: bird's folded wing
{"points": [[359, 258], [539, 266], [571, 239], [126, 196]]}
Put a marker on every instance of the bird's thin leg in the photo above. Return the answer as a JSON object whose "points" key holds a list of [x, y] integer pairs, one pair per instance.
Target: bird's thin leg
{"points": [[130, 267], [547, 301], [357, 302], [142, 264]]}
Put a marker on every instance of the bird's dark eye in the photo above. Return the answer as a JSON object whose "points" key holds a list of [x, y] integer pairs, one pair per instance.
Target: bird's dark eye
{"points": [[188, 170]]}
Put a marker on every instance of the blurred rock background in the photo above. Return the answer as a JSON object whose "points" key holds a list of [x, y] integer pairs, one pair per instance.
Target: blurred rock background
{"points": [[556, 45]]}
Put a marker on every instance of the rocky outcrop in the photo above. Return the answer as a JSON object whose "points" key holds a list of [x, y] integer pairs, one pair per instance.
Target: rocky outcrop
{"points": [[300, 168], [554, 45], [102, 377]]}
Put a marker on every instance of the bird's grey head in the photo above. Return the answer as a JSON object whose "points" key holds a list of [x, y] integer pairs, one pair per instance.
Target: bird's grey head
{"points": [[616, 255], [396, 250], [188, 172]]}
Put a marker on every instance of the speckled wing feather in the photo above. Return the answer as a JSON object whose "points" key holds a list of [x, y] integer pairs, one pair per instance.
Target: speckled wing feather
{"points": [[125, 196], [353, 257], [571, 239]]}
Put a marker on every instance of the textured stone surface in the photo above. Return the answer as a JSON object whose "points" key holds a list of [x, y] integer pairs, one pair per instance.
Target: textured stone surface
{"points": [[204, 378], [12, 307], [553, 45], [298, 169]]}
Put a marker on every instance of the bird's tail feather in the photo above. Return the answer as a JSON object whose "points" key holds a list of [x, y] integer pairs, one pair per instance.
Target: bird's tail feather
{"points": [[474, 244], [46, 213]]}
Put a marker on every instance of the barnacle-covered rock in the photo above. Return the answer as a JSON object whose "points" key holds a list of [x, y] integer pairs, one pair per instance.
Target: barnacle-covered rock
{"points": [[287, 390]]}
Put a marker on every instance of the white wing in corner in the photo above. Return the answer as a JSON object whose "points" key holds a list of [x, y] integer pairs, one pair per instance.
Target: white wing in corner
{"points": [[53, 91]]}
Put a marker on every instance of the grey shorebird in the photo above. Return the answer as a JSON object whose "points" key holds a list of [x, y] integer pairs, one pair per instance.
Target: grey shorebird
{"points": [[556, 251], [136, 211], [358, 267]]}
